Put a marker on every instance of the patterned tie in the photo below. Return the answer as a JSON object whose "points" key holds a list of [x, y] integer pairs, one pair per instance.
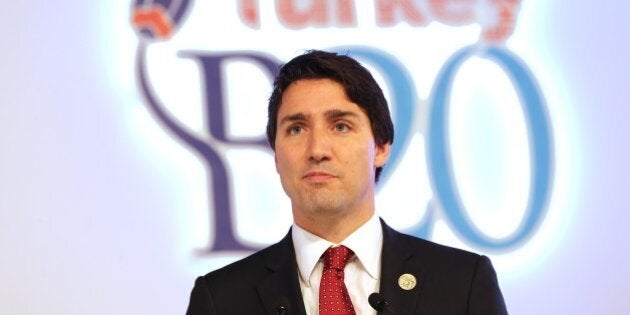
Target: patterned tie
{"points": [[333, 295]]}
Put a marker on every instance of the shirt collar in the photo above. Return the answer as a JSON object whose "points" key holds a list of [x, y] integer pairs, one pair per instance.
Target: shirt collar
{"points": [[366, 243]]}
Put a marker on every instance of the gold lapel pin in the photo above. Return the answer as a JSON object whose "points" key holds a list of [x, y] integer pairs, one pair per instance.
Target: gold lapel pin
{"points": [[407, 281]]}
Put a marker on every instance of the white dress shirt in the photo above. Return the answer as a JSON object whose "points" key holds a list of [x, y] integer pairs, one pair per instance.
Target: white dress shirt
{"points": [[362, 273]]}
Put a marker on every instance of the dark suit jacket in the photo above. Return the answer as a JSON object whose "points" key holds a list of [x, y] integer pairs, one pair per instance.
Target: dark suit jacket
{"points": [[449, 281]]}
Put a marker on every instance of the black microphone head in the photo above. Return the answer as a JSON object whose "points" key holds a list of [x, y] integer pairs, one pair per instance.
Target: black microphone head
{"points": [[377, 301], [282, 305]]}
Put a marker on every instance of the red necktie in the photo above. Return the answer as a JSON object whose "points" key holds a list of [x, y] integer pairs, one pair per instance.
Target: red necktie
{"points": [[333, 295]]}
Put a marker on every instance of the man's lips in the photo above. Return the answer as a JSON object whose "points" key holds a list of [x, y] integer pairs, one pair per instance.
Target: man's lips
{"points": [[318, 176]]}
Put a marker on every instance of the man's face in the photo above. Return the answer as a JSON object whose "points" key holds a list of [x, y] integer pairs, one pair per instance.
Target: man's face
{"points": [[325, 151]]}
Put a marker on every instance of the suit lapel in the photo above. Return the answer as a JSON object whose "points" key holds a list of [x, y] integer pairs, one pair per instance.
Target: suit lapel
{"points": [[394, 263], [282, 280]]}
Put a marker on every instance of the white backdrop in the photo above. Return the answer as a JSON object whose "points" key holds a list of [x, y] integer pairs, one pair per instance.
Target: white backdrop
{"points": [[104, 211]]}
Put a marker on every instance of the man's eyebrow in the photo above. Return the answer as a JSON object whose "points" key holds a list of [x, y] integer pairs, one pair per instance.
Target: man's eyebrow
{"points": [[292, 118], [336, 113]]}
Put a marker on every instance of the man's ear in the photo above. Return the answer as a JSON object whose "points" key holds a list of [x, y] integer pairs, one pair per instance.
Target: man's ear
{"points": [[381, 154]]}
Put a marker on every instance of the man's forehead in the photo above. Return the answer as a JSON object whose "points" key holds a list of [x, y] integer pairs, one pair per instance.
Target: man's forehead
{"points": [[326, 87]]}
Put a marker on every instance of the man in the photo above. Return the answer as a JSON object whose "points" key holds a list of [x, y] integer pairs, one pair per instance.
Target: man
{"points": [[330, 128]]}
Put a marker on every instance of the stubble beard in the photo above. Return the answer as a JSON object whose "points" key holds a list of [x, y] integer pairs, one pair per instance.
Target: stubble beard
{"points": [[320, 204], [323, 203]]}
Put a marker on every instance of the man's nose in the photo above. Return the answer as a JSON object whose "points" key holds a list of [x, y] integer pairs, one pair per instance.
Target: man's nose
{"points": [[319, 145]]}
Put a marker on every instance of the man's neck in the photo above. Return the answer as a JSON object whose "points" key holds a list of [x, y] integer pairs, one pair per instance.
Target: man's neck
{"points": [[334, 228]]}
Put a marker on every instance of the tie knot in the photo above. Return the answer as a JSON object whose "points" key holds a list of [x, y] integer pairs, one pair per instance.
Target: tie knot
{"points": [[337, 257]]}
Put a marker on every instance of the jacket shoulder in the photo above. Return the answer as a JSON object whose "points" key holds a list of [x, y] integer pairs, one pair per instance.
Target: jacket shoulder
{"points": [[429, 254], [248, 270], [235, 288], [438, 254]]}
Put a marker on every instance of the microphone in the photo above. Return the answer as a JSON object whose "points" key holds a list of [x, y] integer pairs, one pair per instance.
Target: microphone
{"points": [[380, 304], [282, 306]]}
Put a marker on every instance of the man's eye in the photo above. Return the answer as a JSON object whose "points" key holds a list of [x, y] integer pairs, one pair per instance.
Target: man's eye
{"points": [[294, 130], [342, 127]]}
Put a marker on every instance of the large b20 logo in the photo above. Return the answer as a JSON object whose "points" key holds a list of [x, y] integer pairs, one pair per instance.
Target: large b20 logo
{"points": [[157, 20]]}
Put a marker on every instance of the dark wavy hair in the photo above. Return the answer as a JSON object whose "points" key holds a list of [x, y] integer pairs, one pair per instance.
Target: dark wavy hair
{"points": [[358, 83]]}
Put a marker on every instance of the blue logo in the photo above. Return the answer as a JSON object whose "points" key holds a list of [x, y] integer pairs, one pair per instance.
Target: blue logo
{"points": [[158, 20]]}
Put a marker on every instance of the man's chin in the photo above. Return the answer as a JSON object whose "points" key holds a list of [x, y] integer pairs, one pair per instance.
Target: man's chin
{"points": [[324, 204]]}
